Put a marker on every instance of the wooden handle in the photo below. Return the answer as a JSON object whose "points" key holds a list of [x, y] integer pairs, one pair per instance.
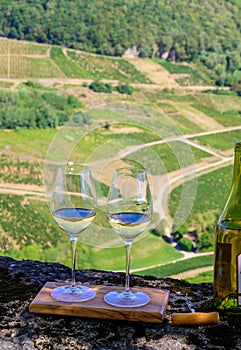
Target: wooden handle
{"points": [[195, 318]]}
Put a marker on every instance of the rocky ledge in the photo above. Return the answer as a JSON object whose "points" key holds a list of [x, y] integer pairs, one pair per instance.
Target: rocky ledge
{"points": [[20, 329]]}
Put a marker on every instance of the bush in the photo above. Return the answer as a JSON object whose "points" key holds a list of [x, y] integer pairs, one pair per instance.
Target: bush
{"points": [[74, 102], [98, 86], [185, 244], [107, 125], [206, 241], [33, 84], [80, 119], [125, 89], [57, 101]]}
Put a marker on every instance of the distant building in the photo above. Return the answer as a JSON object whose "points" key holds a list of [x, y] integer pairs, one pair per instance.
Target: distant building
{"points": [[165, 55], [132, 52], [171, 54]]}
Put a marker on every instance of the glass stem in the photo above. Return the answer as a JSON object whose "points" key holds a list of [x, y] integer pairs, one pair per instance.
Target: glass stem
{"points": [[73, 241], [128, 245]]}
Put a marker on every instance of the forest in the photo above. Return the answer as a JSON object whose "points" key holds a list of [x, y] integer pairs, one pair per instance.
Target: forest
{"points": [[205, 31]]}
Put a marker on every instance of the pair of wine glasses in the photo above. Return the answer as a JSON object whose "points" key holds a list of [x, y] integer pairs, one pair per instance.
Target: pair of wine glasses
{"points": [[129, 212]]}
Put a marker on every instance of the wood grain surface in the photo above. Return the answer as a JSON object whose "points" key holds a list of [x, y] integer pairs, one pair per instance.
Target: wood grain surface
{"points": [[98, 308]]}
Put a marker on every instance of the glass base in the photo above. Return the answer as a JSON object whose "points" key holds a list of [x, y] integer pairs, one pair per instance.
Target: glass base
{"points": [[73, 294], [126, 299]]}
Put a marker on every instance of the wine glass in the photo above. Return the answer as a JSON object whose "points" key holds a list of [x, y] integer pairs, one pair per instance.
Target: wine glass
{"points": [[73, 206], [129, 211]]}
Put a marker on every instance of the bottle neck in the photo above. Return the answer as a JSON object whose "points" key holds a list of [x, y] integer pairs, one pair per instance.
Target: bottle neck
{"points": [[232, 209], [236, 181]]}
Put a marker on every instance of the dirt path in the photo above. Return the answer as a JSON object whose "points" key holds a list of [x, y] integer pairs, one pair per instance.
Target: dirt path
{"points": [[22, 189], [162, 79], [192, 273]]}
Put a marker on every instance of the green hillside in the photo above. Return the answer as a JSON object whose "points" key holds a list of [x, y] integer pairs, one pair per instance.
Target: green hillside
{"points": [[34, 110]]}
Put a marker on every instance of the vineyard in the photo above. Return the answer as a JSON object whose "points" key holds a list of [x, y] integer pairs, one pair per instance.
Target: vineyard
{"points": [[145, 114], [22, 60], [29, 61], [17, 170], [217, 185], [32, 240]]}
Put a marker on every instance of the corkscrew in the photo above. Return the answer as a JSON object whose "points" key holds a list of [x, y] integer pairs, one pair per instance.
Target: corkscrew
{"points": [[193, 317]]}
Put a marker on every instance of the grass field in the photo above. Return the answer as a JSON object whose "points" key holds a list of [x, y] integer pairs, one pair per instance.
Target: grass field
{"points": [[202, 277], [177, 267], [33, 143], [149, 251], [220, 141]]}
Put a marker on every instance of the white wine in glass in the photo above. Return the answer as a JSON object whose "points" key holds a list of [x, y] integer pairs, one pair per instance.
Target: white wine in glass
{"points": [[129, 211], [73, 206]]}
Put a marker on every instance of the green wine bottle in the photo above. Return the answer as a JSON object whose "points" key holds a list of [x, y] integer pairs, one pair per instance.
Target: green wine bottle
{"points": [[227, 269]]}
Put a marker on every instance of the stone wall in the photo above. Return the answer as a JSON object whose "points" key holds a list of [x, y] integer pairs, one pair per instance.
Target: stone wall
{"points": [[19, 329]]}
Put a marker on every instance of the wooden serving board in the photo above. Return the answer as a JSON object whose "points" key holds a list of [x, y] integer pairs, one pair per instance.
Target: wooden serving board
{"points": [[98, 308]]}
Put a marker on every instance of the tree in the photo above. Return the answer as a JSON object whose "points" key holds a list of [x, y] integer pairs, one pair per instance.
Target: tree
{"points": [[206, 241], [185, 244]]}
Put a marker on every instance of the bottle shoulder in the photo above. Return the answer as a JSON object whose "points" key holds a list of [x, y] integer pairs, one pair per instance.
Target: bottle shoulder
{"points": [[229, 224]]}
